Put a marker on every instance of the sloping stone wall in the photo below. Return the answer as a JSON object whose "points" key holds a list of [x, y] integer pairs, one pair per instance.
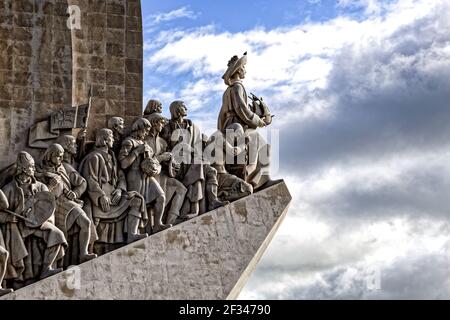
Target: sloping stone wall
{"points": [[45, 66], [209, 257]]}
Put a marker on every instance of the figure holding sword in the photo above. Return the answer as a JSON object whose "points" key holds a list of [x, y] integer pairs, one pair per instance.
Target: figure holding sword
{"points": [[30, 214]]}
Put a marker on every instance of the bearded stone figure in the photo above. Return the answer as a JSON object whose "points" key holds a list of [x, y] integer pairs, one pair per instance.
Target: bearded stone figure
{"points": [[34, 243]]}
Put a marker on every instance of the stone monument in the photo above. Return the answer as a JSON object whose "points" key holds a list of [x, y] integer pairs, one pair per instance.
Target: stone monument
{"points": [[102, 202]]}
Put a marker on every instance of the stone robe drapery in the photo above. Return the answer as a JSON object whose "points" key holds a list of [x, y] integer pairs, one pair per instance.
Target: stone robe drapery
{"points": [[191, 175], [31, 250], [103, 176], [147, 186], [236, 110]]}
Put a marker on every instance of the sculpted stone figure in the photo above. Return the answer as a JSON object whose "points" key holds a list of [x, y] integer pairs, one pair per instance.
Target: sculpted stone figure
{"points": [[199, 178], [68, 187], [114, 210], [69, 144], [153, 106], [221, 146], [4, 255], [30, 200], [3, 260], [133, 154], [117, 126], [174, 190], [236, 110]]}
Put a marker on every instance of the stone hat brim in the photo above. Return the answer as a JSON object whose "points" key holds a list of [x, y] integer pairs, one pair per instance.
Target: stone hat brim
{"points": [[232, 69]]}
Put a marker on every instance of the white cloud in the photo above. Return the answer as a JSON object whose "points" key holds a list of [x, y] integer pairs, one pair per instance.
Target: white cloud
{"points": [[183, 12], [363, 111], [285, 64]]}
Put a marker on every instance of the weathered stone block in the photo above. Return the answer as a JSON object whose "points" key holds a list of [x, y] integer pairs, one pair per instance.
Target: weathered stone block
{"points": [[23, 20], [115, 92], [115, 78], [114, 21], [38, 52], [114, 107], [116, 8], [115, 49], [98, 6], [133, 65]]}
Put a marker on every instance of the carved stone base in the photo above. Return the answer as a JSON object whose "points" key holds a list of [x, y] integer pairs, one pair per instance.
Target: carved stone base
{"points": [[209, 257]]}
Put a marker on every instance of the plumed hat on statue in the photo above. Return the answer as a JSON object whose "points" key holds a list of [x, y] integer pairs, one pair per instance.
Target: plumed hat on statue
{"points": [[234, 65]]}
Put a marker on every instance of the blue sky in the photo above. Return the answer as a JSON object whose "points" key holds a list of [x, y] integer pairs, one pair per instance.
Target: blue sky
{"points": [[229, 17], [235, 16], [360, 93]]}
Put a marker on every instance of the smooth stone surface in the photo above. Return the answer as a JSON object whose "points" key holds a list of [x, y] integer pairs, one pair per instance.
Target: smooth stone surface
{"points": [[209, 257]]}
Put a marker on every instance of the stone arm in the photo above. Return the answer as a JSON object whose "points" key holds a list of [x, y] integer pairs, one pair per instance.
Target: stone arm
{"points": [[122, 181], [160, 156], [241, 108], [128, 154], [78, 183], [4, 204], [90, 172], [166, 135]]}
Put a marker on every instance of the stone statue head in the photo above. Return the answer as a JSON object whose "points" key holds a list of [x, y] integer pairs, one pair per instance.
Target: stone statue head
{"points": [[157, 121], [104, 138], [236, 69], [117, 124], [140, 128], [53, 156], [153, 106], [25, 164], [178, 109], [69, 143]]}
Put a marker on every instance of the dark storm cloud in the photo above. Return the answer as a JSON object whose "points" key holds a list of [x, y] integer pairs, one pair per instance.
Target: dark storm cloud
{"points": [[417, 277], [390, 107], [420, 191], [390, 96]]}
